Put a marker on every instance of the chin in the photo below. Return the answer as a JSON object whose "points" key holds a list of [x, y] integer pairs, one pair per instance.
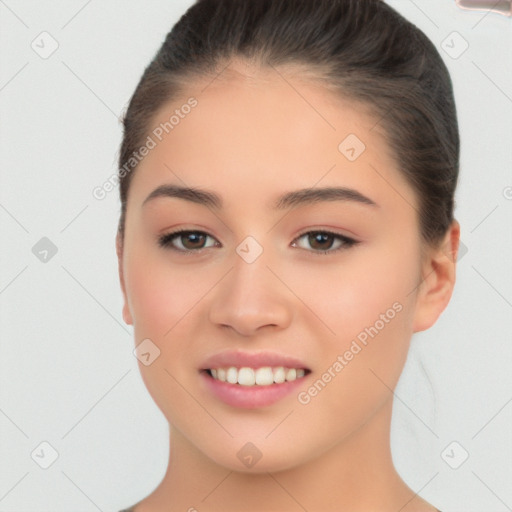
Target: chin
{"points": [[253, 457], [260, 467]]}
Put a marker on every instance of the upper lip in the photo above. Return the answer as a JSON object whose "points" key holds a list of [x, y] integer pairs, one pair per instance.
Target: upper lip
{"points": [[240, 358]]}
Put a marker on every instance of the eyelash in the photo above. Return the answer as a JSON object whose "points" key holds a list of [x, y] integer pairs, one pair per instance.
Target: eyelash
{"points": [[165, 241]]}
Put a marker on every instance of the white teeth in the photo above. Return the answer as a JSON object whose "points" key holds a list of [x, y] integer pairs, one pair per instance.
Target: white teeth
{"points": [[291, 374], [232, 375], [245, 376], [279, 375], [264, 376]]}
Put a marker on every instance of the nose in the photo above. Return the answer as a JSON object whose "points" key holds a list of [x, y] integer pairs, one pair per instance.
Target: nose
{"points": [[251, 297]]}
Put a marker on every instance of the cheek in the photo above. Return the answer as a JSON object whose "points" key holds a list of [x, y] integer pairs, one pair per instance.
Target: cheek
{"points": [[372, 317], [372, 287], [370, 308], [162, 299], [160, 295]]}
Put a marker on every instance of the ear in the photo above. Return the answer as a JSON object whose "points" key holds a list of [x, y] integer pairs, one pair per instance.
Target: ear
{"points": [[438, 272], [127, 317]]}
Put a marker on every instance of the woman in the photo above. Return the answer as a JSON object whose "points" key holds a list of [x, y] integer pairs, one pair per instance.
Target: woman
{"points": [[287, 179]]}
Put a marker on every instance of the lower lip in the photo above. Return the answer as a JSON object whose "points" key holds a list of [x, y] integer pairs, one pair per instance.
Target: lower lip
{"points": [[250, 397]]}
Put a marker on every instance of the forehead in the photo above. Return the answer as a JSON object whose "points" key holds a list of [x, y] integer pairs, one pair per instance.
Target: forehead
{"points": [[264, 130]]}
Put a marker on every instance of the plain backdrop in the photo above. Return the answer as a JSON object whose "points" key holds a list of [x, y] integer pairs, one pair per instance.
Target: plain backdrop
{"points": [[71, 396]]}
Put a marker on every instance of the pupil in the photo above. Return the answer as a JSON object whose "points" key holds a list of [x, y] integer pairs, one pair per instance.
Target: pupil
{"points": [[320, 236], [193, 235]]}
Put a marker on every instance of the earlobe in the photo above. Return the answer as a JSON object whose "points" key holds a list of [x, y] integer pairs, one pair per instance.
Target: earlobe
{"points": [[127, 317], [438, 281]]}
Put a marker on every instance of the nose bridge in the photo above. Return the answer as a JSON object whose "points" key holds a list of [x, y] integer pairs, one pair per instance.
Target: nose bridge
{"points": [[250, 295], [250, 268]]}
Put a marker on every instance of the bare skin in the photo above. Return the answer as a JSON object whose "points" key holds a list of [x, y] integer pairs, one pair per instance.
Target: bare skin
{"points": [[251, 138]]}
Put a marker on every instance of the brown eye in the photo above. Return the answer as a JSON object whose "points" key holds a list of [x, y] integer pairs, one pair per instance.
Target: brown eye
{"points": [[195, 240], [318, 240], [191, 241], [322, 242]]}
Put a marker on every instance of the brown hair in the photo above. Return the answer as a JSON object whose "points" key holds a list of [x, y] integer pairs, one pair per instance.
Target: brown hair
{"points": [[362, 48]]}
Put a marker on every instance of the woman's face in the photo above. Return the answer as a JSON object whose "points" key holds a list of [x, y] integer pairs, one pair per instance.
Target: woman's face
{"points": [[256, 281]]}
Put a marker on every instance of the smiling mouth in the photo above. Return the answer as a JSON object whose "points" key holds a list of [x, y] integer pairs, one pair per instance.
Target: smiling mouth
{"points": [[262, 376]]}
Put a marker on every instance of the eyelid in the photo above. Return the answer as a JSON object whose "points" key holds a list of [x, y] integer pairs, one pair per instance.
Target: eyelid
{"points": [[330, 231]]}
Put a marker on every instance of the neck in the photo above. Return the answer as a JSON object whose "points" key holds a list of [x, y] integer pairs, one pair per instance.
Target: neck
{"points": [[357, 475]]}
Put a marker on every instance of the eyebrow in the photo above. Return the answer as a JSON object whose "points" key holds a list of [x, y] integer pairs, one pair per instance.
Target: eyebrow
{"points": [[291, 199]]}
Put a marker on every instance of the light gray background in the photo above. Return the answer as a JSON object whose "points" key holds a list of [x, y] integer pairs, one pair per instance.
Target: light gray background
{"points": [[68, 373]]}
